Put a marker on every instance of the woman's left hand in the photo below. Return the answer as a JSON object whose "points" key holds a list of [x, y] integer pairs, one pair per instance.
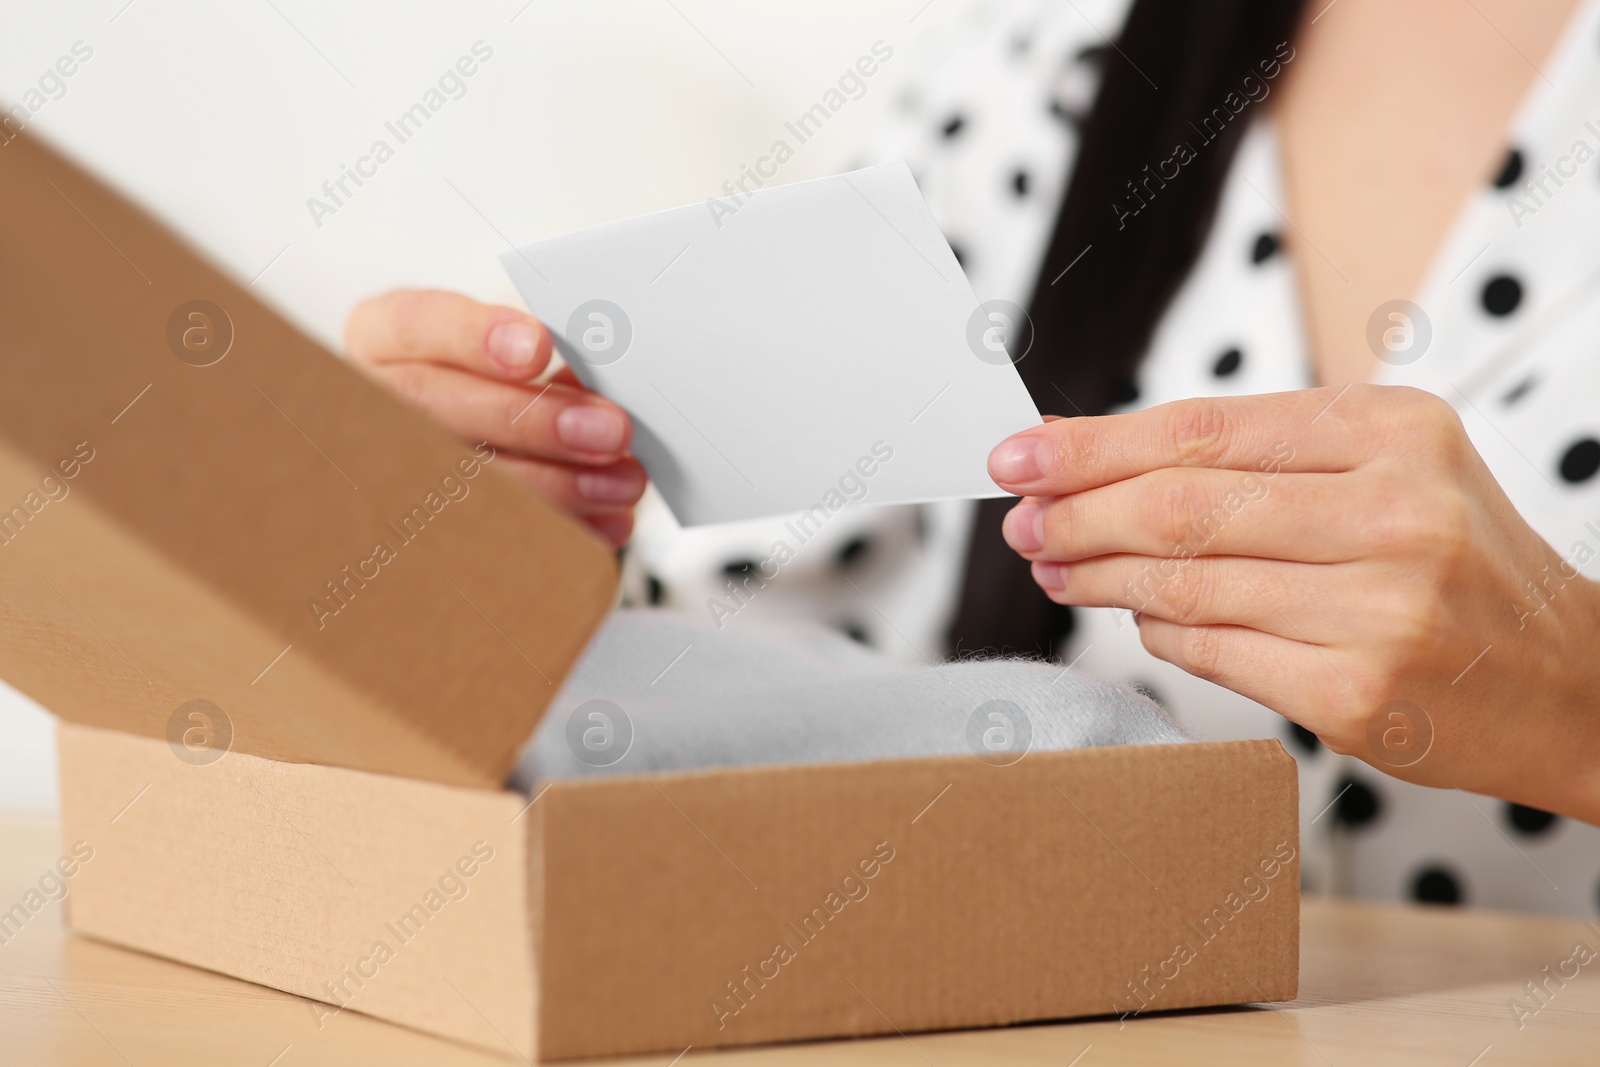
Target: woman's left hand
{"points": [[1345, 559]]}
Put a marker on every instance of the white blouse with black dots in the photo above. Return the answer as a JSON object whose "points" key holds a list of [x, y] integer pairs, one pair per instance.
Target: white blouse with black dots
{"points": [[1512, 304]]}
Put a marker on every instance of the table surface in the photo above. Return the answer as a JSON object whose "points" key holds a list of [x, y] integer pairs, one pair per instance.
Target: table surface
{"points": [[1379, 983]]}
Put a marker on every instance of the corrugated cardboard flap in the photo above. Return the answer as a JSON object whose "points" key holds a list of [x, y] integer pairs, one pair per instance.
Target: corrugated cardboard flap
{"points": [[198, 503]]}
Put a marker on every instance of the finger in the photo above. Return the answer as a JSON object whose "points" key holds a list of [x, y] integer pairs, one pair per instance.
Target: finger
{"points": [[1312, 430], [440, 327], [1312, 518], [567, 376], [551, 421], [583, 491], [1296, 680], [1298, 601], [616, 529]]}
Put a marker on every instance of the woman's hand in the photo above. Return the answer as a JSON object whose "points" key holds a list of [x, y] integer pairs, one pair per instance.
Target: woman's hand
{"points": [[1345, 559], [472, 367]]}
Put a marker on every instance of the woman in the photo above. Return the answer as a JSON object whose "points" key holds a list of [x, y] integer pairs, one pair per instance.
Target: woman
{"points": [[1364, 513]]}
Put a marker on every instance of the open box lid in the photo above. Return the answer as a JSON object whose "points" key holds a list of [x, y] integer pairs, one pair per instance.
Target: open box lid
{"points": [[200, 504]]}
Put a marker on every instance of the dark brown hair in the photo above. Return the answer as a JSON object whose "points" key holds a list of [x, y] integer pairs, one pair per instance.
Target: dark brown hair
{"points": [[1127, 234]]}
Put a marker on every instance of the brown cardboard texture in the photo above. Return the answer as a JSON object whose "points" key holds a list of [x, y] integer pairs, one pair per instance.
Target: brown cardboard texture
{"points": [[190, 488], [199, 503], [730, 906]]}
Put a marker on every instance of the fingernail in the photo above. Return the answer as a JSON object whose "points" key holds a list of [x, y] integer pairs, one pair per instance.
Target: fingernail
{"points": [[1019, 459], [592, 428], [1024, 528], [1051, 577], [513, 345], [609, 488]]}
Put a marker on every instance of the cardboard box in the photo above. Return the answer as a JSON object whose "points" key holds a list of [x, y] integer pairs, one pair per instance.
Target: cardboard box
{"points": [[645, 914], [309, 797]]}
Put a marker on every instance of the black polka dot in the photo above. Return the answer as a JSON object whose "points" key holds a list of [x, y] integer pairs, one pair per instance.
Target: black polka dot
{"points": [[1266, 246], [1227, 363], [1124, 391], [654, 591], [1518, 391], [953, 125], [1149, 691], [853, 552], [1304, 739], [1581, 460], [1501, 295], [961, 257], [1357, 805], [1510, 170], [1093, 53], [856, 632], [738, 568], [1436, 885], [1019, 182], [1530, 822], [1020, 44]]}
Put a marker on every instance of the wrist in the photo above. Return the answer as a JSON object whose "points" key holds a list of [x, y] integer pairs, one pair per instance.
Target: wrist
{"points": [[1574, 707]]}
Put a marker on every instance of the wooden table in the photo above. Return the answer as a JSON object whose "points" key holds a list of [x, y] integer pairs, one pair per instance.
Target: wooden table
{"points": [[1380, 984]]}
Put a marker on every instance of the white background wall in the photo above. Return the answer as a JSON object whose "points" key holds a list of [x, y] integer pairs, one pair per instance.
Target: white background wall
{"points": [[223, 118]]}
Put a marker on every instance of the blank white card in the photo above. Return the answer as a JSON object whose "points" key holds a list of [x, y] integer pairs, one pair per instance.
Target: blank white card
{"points": [[805, 345]]}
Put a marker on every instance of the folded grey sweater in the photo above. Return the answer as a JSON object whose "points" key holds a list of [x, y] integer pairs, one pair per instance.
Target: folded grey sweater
{"points": [[661, 691]]}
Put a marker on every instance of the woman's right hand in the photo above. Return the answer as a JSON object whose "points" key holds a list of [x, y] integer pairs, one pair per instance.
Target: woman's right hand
{"points": [[473, 367]]}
